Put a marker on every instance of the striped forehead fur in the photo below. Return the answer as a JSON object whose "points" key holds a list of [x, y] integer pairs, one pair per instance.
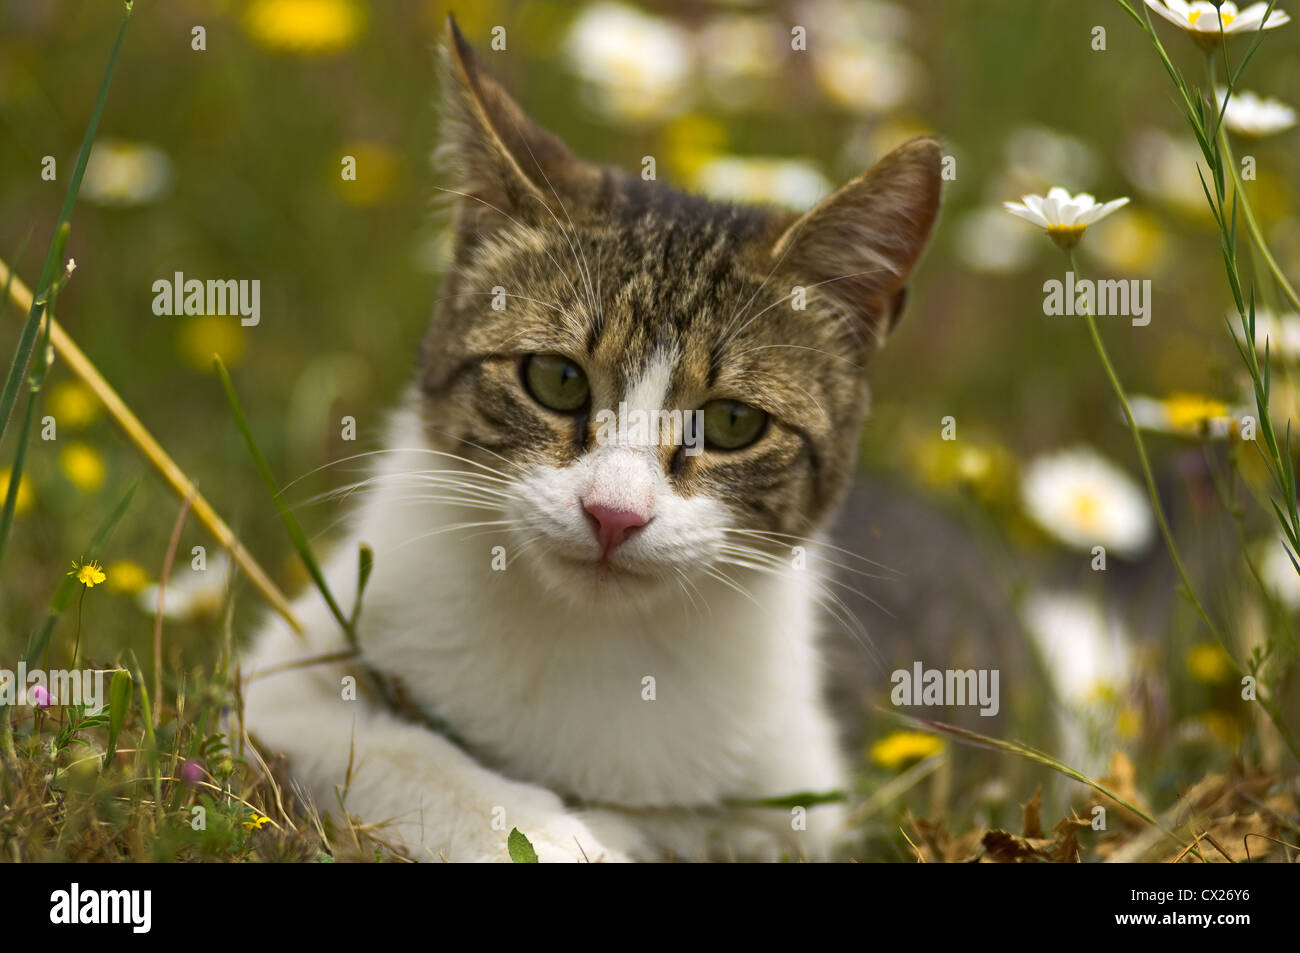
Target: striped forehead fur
{"points": [[626, 277]]}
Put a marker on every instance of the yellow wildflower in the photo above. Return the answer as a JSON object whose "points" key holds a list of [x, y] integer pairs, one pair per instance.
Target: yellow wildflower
{"points": [[83, 466], [692, 140], [204, 335], [127, 577], [72, 404], [256, 822], [1207, 662], [902, 748], [305, 26], [1134, 243], [88, 574], [23, 502]]}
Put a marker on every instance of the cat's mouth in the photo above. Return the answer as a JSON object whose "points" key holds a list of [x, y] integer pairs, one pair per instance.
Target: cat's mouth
{"points": [[593, 577], [602, 569]]}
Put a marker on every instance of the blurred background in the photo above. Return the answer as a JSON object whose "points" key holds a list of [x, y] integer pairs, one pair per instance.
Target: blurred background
{"points": [[225, 162]]}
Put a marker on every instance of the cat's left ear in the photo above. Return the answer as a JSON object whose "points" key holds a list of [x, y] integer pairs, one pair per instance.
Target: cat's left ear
{"points": [[857, 246], [504, 160]]}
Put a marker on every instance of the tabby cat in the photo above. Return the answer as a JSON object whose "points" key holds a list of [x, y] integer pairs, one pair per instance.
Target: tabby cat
{"points": [[610, 635]]}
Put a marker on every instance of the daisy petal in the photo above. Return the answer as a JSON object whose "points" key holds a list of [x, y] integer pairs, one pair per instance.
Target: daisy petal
{"points": [[1028, 214]]}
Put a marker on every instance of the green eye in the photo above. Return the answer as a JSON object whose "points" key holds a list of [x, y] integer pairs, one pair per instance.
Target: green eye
{"points": [[556, 382], [730, 425]]}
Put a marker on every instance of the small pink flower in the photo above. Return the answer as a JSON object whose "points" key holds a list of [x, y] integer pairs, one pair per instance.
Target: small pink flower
{"points": [[40, 696], [191, 773]]}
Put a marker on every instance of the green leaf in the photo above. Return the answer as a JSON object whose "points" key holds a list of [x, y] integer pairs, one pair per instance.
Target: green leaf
{"points": [[521, 848], [119, 702], [365, 565], [801, 799]]}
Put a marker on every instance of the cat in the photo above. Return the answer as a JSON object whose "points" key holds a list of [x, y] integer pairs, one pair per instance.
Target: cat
{"points": [[612, 643]]}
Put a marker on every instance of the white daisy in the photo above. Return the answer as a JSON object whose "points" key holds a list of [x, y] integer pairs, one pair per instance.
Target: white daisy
{"points": [[1164, 167], [1064, 218], [1084, 652], [1202, 20], [1281, 332], [125, 173], [191, 593], [790, 182], [734, 53], [1279, 572], [989, 241], [1185, 415], [1251, 115], [858, 53], [1090, 664], [636, 65], [1085, 500]]}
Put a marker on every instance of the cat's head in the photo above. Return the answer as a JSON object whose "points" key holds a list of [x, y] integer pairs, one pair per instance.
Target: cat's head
{"points": [[583, 301]]}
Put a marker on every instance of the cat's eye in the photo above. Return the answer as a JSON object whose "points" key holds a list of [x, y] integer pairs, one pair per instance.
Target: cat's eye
{"points": [[731, 425], [556, 382]]}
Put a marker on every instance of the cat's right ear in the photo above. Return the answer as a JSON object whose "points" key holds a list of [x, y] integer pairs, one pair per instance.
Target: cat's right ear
{"points": [[503, 162]]}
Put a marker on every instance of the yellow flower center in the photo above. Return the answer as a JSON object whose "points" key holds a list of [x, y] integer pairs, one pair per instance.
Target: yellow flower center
{"points": [[1225, 18], [1066, 236], [1190, 411], [1084, 510]]}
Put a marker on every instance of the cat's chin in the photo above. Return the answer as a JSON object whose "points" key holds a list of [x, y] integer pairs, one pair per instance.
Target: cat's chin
{"points": [[595, 582]]}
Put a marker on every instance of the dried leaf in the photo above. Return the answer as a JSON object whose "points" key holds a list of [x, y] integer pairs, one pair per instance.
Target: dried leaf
{"points": [[1033, 815]]}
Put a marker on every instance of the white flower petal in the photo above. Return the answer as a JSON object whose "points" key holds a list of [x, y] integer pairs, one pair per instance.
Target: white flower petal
{"points": [[1179, 17], [1028, 214], [1085, 500], [1101, 211]]}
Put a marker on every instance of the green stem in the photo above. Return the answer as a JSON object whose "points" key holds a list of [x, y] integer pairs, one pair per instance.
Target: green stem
{"points": [[1270, 707], [76, 645], [1252, 224], [1147, 474]]}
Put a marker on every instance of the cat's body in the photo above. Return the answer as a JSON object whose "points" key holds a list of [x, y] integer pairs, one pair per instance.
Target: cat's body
{"points": [[555, 699], [641, 651]]}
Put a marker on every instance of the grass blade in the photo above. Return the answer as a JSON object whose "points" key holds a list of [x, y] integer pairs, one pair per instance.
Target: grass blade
{"points": [[296, 534], [27, 340]]}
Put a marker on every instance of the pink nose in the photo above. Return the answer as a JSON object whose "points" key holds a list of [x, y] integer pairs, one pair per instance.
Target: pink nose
{"points": [[613, 525]]}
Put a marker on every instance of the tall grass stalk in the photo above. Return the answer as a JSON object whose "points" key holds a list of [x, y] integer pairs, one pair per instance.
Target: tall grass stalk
{"points": [[84, 369], [1205, 117], [54, 256], [1030, 753]]}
